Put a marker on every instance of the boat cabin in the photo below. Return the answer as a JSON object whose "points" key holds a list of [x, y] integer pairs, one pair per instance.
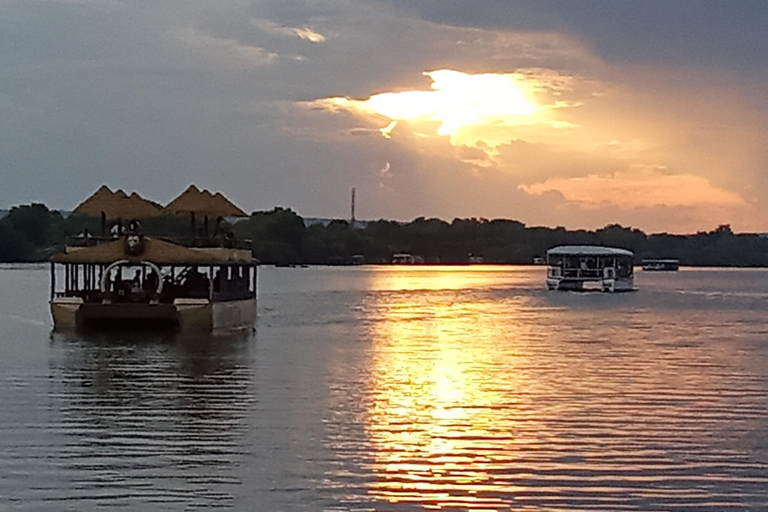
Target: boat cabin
{"points": [[575, 267]]}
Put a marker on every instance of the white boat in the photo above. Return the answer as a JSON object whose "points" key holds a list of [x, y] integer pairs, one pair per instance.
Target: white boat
{"points": [[574, 267], [661, 264], [137, 282], [406, 258]]}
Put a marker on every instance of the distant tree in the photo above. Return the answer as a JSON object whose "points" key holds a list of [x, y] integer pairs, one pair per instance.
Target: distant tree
{"points": [[14, 246], [277, 235], [33, 232], [34, 221]]}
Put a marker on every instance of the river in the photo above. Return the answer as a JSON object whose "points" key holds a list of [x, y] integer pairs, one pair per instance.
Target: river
{"points": [[399, 389]]}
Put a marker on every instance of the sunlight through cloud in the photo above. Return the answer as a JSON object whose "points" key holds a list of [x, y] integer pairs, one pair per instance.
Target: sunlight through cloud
{"points": [[457, 100]]}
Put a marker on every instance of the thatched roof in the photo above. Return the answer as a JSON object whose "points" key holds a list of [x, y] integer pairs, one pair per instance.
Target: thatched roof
{"points": [[193, 200], [157, 251], [118, 205]]}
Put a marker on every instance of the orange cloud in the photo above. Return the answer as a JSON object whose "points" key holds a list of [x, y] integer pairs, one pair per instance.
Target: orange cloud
{"points": [[637, 188]]}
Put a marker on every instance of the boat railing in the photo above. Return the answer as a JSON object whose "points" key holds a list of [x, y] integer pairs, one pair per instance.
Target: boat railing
{"points": [[211, 241], [588, 273], [89, 240]]}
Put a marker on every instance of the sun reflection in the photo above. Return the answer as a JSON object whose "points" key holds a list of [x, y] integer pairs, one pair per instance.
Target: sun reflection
{"points": [[440, 417]]}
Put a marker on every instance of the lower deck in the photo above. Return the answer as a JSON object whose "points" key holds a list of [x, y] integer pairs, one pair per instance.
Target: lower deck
{"points": [[181, 314], [587, 284]]}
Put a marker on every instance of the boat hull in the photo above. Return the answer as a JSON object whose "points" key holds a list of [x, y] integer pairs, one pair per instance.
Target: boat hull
{"points": [[182, 314], [606, 285]]}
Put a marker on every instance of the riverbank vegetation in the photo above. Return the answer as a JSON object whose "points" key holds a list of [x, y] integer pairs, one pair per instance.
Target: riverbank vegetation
{"points": [[280, 236]]}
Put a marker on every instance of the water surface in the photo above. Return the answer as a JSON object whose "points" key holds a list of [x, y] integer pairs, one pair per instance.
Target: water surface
{"points": [[398, 389]]}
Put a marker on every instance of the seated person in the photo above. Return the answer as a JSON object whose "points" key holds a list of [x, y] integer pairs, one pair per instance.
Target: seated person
{"points": [[196, 284]]}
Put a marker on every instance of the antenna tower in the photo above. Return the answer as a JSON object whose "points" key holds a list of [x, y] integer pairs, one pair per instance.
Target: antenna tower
{"points": [[352, 208]]}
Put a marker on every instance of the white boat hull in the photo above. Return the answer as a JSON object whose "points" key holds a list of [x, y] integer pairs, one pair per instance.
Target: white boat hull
{"points": [[606, 284]]}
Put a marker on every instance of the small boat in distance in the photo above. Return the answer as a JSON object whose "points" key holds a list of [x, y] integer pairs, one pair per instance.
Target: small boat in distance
{"points": [[405, 258], [661, 264], [573, 266]]}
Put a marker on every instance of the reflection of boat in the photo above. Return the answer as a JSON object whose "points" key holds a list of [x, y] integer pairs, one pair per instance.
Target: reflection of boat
{"points": [[138, 281], [658, 264], [571, 266]]}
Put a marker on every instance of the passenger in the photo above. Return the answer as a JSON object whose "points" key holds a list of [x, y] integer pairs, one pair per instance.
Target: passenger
{"points": [[134, 227], [150, 282], [136, 283], [196, 284], [623, 270], [223, 228]]}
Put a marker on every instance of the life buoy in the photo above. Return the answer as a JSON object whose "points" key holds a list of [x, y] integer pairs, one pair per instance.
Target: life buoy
{"points": [[115, 264]]}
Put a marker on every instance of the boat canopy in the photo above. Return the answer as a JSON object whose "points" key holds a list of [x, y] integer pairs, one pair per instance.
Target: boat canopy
{"points": [[588, 250], [157, 251]]}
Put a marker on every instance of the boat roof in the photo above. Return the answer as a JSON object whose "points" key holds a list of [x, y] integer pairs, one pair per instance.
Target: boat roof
{"points": [[160, 252], [588, 250], [118, 205], [193, 200]]}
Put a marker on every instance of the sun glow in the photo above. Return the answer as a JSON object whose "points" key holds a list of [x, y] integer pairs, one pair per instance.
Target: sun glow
{"points": [[457, 100]]}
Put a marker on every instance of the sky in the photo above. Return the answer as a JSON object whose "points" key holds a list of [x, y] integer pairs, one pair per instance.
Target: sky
{"points": [[652, 114]]}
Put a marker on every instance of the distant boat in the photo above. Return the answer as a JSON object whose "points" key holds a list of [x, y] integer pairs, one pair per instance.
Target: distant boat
{"points": [[405, 258], [661, 265], [572, 266]]}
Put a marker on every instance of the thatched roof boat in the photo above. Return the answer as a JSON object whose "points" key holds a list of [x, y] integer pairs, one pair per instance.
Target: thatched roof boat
{"points": [[200, 282]]}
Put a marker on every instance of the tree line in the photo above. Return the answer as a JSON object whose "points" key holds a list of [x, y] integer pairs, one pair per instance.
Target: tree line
{"points": [[279, 236]]}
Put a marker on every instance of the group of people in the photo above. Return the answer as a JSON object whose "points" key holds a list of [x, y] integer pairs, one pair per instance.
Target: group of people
{"points": [[192, 283], [142, 287]]}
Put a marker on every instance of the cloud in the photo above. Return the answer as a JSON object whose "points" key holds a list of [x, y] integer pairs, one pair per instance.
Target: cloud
{"points": [[483, 111], [216, 51], [636, 188], [305, 33], [280, 103]]}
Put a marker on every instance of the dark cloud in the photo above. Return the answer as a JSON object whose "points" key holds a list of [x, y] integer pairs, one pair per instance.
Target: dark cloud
{"points": [[687, 32]]}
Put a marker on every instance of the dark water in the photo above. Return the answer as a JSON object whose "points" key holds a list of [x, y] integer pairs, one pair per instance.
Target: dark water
{"points": [[397, 389]]}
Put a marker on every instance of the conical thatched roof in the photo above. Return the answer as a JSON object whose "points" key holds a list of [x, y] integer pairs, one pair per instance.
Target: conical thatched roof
{"points": [[118, 205], [203, 202]]}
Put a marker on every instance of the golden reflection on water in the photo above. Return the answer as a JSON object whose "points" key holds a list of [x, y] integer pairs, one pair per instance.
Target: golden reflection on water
{"points": [[440, 418]]}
